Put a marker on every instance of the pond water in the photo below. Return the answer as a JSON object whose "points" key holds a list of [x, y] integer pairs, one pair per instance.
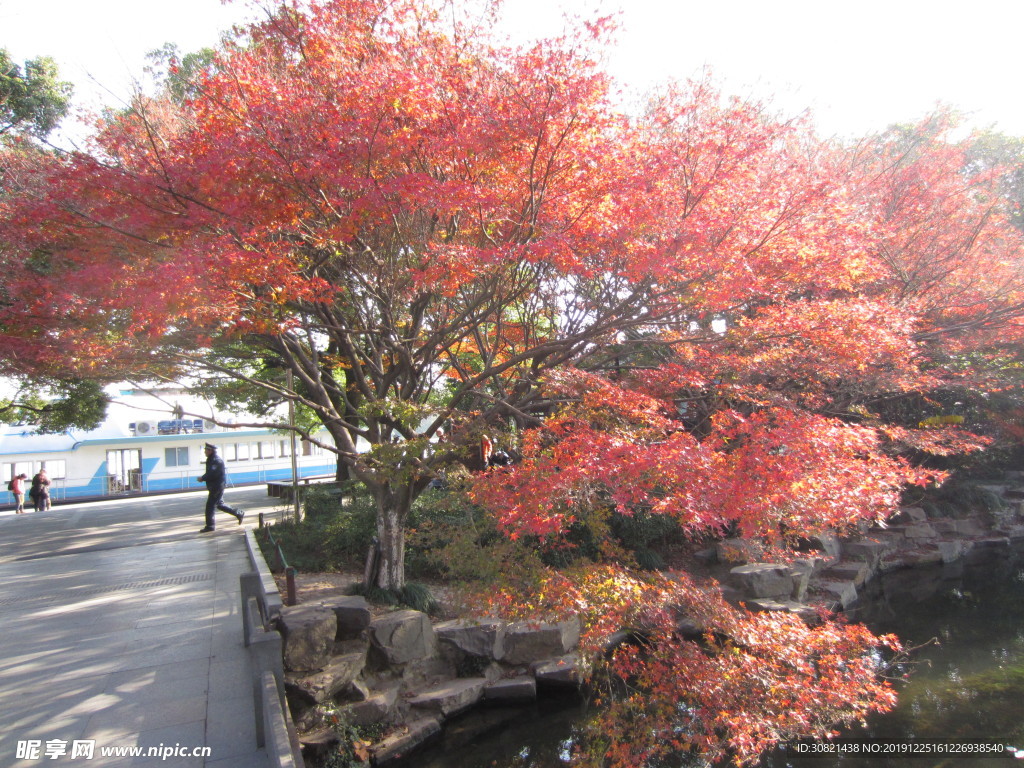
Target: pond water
{"points": [[968, 686]]}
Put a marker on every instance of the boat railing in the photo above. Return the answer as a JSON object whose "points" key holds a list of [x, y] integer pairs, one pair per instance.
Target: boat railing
{"points": [[101, 486]]}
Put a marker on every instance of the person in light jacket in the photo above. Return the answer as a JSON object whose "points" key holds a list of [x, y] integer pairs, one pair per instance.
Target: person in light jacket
{"points": [[216, 478], [18, 489]]}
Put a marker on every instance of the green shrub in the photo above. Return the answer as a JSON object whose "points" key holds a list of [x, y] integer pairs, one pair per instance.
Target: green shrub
{"points": [[321, 500], [643, 533], [418, 597], [959, 498], [334, 535], [412, 595], [640, 530], [649, 560], [453, 539]]}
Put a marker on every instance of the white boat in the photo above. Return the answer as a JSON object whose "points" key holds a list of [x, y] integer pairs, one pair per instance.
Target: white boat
{"points": [[142, 448]]}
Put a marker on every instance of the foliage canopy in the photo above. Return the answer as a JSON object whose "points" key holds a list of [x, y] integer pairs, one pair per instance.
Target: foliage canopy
{"points": [[701, 311]]}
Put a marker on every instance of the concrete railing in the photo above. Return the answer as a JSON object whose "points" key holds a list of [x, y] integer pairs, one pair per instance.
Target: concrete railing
{"points": [[261, 605]]}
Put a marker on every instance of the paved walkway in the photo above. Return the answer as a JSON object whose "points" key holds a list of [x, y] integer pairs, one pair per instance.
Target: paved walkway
{"points": [[120, 627]]}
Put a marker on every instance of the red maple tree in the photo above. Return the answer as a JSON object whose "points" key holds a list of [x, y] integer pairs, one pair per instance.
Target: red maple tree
{"points": [[701, 310]]}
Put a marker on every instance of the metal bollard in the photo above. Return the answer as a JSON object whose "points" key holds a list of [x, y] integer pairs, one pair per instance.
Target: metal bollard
{"points": [[289, 576]]}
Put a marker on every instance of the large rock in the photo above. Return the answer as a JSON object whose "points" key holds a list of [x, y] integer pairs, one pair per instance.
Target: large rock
{"points": [[378, 707], [803, 569], [869, 548], [334, 678], [561, 673], [968, 526], [997, 489], [308, 633], [353, 614], [690, 628], [952, 550], [919, 532], [911, 515], [841, 593], [403, 636], [475, 638], [420, 672], [894, 561], [829, 544], [763, 579], [526, 642]]}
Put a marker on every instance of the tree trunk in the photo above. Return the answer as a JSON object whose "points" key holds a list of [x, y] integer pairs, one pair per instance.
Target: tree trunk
{"points": [[392, 512]]}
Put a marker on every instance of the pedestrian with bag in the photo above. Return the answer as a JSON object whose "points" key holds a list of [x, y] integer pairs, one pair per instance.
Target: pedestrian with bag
{"points": [[17, 487]]}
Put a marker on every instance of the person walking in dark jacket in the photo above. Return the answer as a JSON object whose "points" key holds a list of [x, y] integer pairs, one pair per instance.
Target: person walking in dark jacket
{"points": [[215, 479], [40, 491]]}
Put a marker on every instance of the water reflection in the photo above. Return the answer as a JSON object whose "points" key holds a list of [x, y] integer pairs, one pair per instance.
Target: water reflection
{"points": [[969, 686], [538, 736]]}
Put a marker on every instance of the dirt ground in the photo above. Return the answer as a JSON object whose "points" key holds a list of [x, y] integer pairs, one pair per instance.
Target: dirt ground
{"points": [[311, 587]]}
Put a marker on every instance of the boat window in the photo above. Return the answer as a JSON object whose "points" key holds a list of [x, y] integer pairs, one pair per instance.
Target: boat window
{"points": [[57, 469], [176, 457]]}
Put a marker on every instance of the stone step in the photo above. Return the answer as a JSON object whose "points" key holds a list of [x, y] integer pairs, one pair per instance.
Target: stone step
{"points": [[406, 740], [806, 612], [321, 737], [514, 689], [450, 697], [997, 489], [856, 571]]}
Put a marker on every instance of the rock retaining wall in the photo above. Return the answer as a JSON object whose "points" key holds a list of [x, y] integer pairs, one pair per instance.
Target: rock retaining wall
{"points": [[399, 669], [913, 554]]}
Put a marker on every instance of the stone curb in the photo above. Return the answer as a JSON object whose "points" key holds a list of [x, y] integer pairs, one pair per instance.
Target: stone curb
{"points": [[274, 720]]}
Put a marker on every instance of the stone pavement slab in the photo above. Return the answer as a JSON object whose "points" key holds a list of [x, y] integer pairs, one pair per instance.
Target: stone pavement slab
{"points": [[121, 628]]}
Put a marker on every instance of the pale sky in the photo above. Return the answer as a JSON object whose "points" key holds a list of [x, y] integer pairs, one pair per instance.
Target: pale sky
{"points": [[857, 66]]}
